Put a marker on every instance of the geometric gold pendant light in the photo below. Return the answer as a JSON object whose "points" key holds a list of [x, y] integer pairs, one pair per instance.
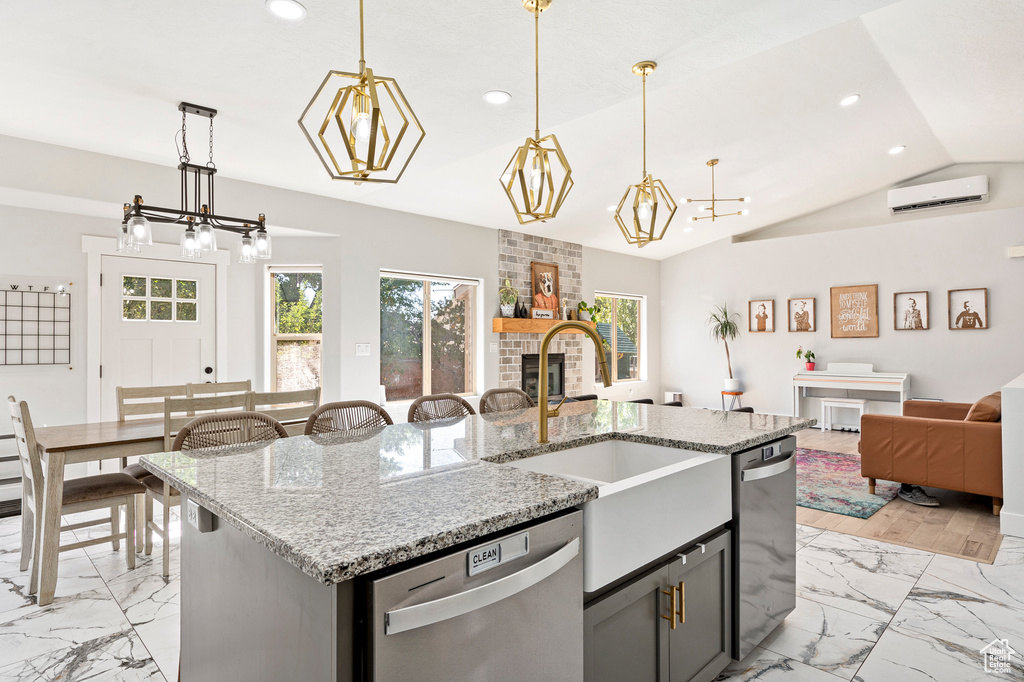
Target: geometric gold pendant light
{"points": [[360, 124], [538, 177], [649, 206]]}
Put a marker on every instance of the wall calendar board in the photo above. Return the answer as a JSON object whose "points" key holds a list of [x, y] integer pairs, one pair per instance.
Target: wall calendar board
{"points": [[35, 323], [855, 311]]}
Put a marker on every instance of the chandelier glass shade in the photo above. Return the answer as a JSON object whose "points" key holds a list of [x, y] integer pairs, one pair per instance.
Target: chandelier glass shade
{"points": [[713, 214], [646, 208], [197, 204], [538, 177], [360, 124]]}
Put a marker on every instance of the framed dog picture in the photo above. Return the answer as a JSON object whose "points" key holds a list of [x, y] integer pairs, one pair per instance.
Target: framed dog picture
{"points": [[545, 287], [801, 315], [910, 310], [968, 309], [761, 316]]}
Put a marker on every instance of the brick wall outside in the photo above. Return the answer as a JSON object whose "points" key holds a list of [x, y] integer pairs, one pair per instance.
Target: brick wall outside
{"points": [[515, 253]]}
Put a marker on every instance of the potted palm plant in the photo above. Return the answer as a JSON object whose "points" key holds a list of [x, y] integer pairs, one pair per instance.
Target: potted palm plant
{"points": [[725, 327], [508, 295], [808, 357]]}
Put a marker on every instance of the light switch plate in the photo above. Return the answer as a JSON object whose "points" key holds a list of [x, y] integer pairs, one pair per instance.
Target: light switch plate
{"points": [[362, 349], [494, 348], [198, 517]]}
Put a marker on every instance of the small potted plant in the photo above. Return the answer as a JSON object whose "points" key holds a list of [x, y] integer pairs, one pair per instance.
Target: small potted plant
{"points": [[586, 312], [808, 357], [508, 295], [724, 326]]}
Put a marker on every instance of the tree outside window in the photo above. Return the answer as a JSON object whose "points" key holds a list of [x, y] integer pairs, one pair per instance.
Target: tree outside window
{"points": [[297, 329], [618, 323], [419, 359]]}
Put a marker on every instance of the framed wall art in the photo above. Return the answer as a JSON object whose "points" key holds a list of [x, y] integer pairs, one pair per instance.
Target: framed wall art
{"points": [[544, 278], [910, 310], [801, 315], [854, 311], [761, 316], [968, 309]]}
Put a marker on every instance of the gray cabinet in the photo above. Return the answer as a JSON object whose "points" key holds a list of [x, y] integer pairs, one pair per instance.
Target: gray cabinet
{"points": [[672, 624]]}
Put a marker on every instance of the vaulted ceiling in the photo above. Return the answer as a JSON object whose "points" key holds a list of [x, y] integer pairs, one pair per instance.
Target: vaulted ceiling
{"points": [[755, 83]]}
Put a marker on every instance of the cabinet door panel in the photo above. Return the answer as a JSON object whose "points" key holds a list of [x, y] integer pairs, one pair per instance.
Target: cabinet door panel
{"points": [[625, 637], [700, 645]]}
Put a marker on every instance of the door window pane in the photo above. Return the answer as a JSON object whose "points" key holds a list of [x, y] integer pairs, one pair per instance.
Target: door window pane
{"points": [[134, 286], [451, 368], [160, 310], [401, 337], [160, 288], [186, 312], [186, 288], [134, 310]]}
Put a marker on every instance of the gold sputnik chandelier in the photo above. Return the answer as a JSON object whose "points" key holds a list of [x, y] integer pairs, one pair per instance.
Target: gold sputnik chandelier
{"points": [[652, 207], [369, 132], [538, 178], [714, 215]]}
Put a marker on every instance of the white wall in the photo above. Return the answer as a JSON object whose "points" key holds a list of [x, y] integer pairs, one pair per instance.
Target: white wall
{"points": [[1012, 516], [934, 252], [621, 274]]}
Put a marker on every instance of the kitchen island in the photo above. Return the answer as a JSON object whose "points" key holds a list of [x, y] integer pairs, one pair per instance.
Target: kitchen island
{"points": [[273, 591]]}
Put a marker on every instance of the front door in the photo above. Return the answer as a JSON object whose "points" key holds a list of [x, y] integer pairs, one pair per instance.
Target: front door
{"points": [[158, 325]]}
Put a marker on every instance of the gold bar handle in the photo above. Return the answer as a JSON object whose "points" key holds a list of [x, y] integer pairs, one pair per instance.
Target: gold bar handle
{"points": [[682, 601], [671, 594]]}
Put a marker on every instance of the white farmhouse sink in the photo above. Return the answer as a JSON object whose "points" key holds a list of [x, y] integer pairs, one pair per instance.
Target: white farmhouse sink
{"points": [[652, 500]]}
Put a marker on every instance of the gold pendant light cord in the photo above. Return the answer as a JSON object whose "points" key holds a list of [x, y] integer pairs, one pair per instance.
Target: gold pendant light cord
{"points": [[362, 58], [645, 122], [536, 71]]}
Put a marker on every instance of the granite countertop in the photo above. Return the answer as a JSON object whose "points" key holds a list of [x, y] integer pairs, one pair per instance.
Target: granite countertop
{"points": [[340, 507]]}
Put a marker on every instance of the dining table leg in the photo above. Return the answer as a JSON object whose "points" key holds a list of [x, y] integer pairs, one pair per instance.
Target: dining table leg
{"points": [[53, 500]]}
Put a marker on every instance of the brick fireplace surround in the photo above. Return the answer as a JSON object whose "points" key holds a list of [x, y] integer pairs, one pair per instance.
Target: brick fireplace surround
{"points": [[515, 252]]}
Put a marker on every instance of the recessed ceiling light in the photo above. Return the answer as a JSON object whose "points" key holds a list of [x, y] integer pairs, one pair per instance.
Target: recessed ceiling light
{"points": [[897, 150], [847, 101], [497, 97], [687, 229], [289, 10], [612, 208]]}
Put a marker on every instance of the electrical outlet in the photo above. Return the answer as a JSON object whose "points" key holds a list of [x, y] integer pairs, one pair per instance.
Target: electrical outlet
{"points": [[494, 348], [362, 349]]}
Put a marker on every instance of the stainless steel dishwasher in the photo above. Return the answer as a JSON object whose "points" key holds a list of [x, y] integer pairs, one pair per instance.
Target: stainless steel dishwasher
{"points": [[764, 541], [507, 609]]}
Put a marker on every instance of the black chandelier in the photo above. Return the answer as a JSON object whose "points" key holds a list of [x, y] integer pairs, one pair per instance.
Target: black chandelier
{"points": [[196, 211]]}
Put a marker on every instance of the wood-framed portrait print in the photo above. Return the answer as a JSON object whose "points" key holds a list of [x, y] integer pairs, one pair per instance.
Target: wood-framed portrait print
{"points": [[910, 310], [968, 309], [854, 311], [545, 294], [761, 316], [801, 315]]}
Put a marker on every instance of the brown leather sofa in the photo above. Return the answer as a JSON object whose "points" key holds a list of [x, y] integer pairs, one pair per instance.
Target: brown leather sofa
{"points": [[935, 444]]}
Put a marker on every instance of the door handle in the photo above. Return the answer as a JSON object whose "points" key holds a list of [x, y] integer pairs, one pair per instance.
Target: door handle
{"points": [[758, 473], [674, 614], [682, 601], [208, 370], [428, 613]]}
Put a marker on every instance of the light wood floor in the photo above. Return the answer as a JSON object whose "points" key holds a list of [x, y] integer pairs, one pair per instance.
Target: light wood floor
{"points": [[962, 526]]}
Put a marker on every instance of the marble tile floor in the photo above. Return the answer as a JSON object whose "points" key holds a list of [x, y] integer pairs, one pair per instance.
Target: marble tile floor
{"points": [[866, 611], [106, 622]]}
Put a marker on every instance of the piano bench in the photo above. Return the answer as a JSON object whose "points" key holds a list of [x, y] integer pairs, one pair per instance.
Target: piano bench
{"points": [[828, 404]]}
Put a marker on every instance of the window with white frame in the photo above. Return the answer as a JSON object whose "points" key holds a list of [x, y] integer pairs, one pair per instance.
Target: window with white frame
{"points": [[296, 327], [426, 335], [620, 324]]}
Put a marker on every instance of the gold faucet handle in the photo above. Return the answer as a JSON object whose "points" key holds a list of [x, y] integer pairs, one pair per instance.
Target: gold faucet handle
{"points": [[553, 412]]}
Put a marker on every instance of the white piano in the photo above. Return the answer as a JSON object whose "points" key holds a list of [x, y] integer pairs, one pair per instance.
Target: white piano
{"points": [[851, 376]]}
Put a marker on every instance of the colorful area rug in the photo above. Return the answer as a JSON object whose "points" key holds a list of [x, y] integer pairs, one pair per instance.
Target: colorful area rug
{"points": [[831, 481]]}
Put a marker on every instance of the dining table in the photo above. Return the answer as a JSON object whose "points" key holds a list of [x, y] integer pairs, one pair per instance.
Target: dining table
{"points": [[60, 446]]}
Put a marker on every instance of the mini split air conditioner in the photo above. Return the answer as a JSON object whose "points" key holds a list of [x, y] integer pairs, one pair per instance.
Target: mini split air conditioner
{"points": [[973, 190]]}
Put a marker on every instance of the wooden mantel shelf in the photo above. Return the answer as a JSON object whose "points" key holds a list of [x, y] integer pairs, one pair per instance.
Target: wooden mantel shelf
{"points": [[512, 325]]}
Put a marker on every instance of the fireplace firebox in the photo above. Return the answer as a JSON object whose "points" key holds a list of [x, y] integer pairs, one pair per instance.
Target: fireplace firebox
{"points": [[556, 375]]}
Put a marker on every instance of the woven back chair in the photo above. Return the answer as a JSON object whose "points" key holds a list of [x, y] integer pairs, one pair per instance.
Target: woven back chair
{"points": [[180, 411], [349, 415], [231, 428], [504, 399], [430, 408]]}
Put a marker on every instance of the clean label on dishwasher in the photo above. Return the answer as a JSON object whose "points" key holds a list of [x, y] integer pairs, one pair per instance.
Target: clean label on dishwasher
{"points": [[497, 553], [769, 451]]}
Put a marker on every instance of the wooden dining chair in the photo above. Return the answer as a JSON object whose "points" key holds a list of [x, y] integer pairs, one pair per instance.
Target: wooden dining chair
{"points": [[346, 416], [180, 411], [504, 399], [208, 431], [142, 401], [79, 494], [430, 408], [287, 406], [195, 390]]}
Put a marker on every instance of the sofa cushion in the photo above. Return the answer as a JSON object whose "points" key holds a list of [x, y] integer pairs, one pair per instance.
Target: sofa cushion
{"points": [[988, 409]]}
